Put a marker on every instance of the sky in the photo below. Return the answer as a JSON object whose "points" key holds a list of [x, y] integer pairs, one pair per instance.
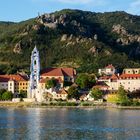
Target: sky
{"points": [[19, 10]]}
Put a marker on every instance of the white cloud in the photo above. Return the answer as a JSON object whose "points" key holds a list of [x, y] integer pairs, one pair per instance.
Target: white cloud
{"points": [[134, 7]]}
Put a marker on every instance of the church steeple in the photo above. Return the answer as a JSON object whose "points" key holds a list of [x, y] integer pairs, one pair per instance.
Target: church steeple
{"points": [[34, 69]]}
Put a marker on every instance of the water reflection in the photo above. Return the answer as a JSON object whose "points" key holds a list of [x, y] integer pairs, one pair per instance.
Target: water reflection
{"points": [[69, 124]]}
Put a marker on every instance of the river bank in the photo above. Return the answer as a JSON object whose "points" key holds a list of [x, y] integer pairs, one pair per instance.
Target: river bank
{"points": [[62, 105]]}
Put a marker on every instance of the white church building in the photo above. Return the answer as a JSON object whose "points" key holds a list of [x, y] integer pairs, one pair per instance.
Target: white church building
{"points": [[37, 82]]}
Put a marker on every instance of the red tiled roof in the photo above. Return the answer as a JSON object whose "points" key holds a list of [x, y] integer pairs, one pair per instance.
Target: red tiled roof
{"points": [[114, 77], [6, 78], [62, 92], [58, 72], [129, 76], [104, 78], [68, 71], [110, 66], [101, 85]]}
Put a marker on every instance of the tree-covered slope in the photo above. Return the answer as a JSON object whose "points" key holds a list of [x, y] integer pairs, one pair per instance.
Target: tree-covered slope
{"points": [[80, 39]]}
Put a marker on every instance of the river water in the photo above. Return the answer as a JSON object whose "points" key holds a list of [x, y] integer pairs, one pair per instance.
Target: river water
{"points": [[69, 124]]}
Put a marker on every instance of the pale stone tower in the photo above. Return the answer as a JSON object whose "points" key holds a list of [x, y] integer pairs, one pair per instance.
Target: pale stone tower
{"points": [[35, 73]]}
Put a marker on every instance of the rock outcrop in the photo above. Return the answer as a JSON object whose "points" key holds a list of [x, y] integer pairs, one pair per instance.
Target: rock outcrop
{"points": [[125, 37], [18, 48]]}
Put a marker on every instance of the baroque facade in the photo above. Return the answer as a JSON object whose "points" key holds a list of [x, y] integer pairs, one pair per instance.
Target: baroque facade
{"points": [[130, 82], [37, 83], [14, 83]]}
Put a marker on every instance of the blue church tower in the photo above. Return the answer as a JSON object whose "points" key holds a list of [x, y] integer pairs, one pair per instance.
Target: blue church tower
{"points": [[35, 72]]}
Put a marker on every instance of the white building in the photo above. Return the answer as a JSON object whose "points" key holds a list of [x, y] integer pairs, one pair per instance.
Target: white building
{"points": [[131, 71], [37, 83], [130, 82], [108, 70]]}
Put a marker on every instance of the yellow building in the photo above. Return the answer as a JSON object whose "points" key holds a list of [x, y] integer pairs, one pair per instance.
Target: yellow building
{"points": [[14, 83], [60, 74], [131, 71]]}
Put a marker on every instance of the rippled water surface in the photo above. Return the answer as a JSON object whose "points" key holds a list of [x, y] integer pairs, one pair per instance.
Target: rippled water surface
{"points": [[69, 124]]}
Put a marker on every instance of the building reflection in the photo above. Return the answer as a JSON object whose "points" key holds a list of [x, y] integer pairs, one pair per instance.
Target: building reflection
{"points": [[57, 123]]}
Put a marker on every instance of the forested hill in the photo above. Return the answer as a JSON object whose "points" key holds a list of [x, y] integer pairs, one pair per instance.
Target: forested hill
{"points": [[80, 39]]}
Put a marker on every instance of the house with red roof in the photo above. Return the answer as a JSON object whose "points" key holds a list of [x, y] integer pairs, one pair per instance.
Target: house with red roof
{"points": [[102, 86], [60, 74], [131, 71], [130, 82], [108, 70], [14, 83]]}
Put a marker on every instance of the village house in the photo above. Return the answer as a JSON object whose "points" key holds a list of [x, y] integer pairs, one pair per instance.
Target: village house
{"points": [[130, 82], [62, 75], [108, 70], [131, 71], [61, 94], [102, 86], [14, 83]]}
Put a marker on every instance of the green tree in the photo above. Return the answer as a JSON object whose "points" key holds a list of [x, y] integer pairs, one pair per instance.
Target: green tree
{"points": [[85, 80], [96, 93], [122, 96], [73, 93], [23, 94], [1, 93], [7, 95], [51, 83]]}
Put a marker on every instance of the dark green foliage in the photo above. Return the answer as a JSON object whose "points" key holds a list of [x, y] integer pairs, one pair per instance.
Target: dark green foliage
{"points": [[1, 93], [53, 52], [22, 94], [66, 83], [6, 96], [136, 103], [73, 93], [85, 80], [87, 104], [51, 83], [122, 96], [134, 94], [96, 93], [60, 103]]}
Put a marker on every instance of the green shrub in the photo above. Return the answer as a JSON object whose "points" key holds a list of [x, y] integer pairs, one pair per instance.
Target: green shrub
{"points": [[7, 96], [86, 104]]}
